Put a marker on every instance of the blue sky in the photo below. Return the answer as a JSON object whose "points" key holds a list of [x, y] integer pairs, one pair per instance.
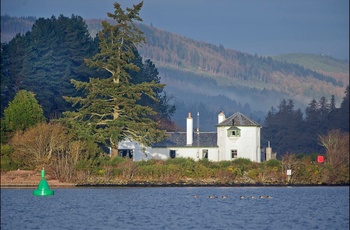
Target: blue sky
{"points": [[262, 27]]}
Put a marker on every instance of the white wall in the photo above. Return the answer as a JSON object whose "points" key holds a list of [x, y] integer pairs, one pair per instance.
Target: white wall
{"points": [[222, 142], [146, 153], [247, 145], [185, 152]]}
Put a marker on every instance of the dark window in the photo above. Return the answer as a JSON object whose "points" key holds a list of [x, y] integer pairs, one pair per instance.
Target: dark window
{"points": [[235, 132], [234, 154], [205, 153], [172, 153], [125, 153]]}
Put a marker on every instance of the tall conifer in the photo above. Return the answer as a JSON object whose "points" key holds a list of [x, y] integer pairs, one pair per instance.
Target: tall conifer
{"points": [[109, 112]]}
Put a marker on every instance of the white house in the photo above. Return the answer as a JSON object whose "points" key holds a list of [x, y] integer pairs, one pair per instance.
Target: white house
{"points": [[237, 137]]}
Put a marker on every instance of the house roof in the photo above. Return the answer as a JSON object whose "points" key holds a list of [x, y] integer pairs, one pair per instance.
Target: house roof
{"points": [[178, 139], [238, 119]]}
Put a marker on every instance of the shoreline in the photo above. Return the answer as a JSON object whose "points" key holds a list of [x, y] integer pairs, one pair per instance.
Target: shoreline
{"points": [[155, 185], [31, 179]]}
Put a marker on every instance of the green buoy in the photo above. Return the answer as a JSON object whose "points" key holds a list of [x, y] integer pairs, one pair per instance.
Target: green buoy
{"points": [[43, 187]]}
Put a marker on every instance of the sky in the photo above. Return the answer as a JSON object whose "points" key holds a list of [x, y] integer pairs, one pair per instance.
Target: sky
{"points": [[262, 27]]}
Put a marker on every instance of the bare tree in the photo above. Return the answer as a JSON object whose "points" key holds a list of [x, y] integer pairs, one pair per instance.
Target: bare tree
{"points": [[336, 144], [49, 145], [290, 162]]}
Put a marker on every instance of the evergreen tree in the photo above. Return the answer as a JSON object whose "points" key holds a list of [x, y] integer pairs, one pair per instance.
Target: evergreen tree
{"points": [[23, 112], [324, 109], [12, 75], [332, 105], [284, 128], [312, 125], [109, 113], [55, 55], [345, 102], [340, 117], [148, 73], [44, 60]]}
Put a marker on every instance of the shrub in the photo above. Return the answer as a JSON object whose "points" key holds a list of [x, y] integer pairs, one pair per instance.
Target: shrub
{"points": [[7, 163], [23, 112], [274, 163], [224, 164], [180, 161], [242, 161]]}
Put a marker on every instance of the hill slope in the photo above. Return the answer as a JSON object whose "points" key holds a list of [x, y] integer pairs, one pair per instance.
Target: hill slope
{"points": [[326, 65], [198, 72], [209, 78]]}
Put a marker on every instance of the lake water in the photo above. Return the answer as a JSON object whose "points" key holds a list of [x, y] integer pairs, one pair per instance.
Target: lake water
{"points": [[176, 208]]}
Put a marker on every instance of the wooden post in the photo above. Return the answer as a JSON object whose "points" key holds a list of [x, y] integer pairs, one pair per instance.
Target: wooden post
{"points": [[289, 175]]}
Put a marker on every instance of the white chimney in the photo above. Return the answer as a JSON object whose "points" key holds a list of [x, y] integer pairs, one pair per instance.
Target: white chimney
{"points": [[189, 129], [221, 117]]}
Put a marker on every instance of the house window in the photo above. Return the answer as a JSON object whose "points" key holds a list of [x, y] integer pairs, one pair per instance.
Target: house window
{"points": [[172, 153], [205, 153], [126, 153], [234, 154], [234, 132]]}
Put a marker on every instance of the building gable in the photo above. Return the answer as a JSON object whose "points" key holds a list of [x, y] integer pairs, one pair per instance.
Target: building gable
{"points": [[238, 119]]}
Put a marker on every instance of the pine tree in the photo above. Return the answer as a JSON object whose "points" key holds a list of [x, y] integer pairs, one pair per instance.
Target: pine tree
{"points": [[56, 51], [332, 105], [12, 75], [344, 112], [109, 112]]}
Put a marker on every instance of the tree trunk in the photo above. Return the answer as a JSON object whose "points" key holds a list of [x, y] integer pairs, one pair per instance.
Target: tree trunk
{"points": [[114, 153]]}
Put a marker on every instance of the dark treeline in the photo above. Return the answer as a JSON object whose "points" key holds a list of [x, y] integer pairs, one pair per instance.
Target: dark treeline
{"points": [[45, 60], [291, 131]]}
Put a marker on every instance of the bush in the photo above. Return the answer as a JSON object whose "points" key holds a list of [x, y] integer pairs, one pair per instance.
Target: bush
{"points": [[180, 161], [274, 163], [224, 164], [7, 163], [242, 161], [145, 163], [205, 162]]}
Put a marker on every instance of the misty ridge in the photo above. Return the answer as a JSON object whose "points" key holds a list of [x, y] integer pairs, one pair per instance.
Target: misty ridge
{"points": [[206, 78]]}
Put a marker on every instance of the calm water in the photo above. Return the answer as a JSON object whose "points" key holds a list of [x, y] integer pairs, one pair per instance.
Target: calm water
{"points": [[176, 208]]}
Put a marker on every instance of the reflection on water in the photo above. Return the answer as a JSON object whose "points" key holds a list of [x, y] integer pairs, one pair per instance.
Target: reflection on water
{"points": [[178, 208]]}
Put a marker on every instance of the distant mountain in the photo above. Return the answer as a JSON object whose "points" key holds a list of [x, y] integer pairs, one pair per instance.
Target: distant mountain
{"points": [[207, 78]]}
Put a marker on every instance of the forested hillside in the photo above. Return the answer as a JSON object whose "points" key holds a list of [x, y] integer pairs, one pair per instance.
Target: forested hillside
{"points": [[198, 72], [338, 69], [208, 78]]}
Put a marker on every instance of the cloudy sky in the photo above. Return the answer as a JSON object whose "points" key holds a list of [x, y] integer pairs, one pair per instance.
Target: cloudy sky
{"points": [[262, 27]]}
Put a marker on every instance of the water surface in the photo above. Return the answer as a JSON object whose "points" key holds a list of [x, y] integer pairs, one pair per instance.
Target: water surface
{"points": [[176, 208]]}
